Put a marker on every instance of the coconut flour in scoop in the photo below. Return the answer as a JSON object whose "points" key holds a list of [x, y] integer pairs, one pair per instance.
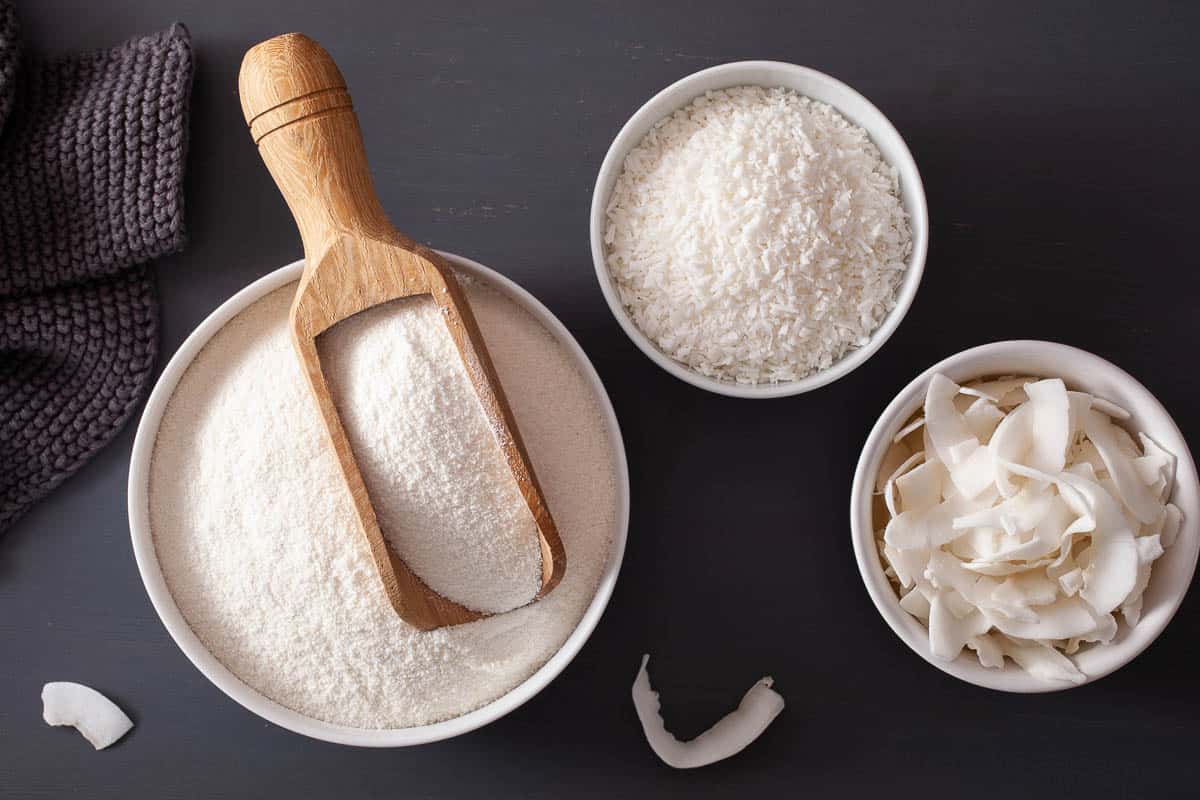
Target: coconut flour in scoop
{"points": [[260, 547]]}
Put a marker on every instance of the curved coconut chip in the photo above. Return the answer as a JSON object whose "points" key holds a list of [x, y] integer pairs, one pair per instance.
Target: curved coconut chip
{"points": [[907, 429], [1134, 493], [948, 432], [1051, 425], [729, 736], [1004, 392], [1043, 662], [99, 719]]}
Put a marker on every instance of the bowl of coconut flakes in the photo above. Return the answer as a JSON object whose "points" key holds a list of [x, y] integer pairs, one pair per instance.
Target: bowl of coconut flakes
{"points": [[759, 229], [1026, 516]]}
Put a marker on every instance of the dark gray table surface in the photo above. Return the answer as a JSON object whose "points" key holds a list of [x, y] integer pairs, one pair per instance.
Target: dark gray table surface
{"points": [[1057, 142]]}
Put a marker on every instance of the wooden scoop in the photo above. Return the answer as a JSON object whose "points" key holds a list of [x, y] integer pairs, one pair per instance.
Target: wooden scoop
{"points": [[300, 115]]}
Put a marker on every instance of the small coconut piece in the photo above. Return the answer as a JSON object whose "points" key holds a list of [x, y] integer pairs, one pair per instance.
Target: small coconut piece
{"points": [[1062, 619], [975, 472], [893, 459], [729, 736], [1134, 493], [1026, 589], [1010, 444], [1018, 514], [914, 602], [1110, 563], [944, 425], [1004, 568], [1111, 573], [1050, 533], [1172, 522], [982, 417], [989, 651], [1043, 662], [907, 564], [948, 633], [907, 429], [921, 488], [1071, 582], [1149, 549], [906, 465], [1078, 404], [1051, 424], [99, 719], [1152, 448], [1110, 408], [925, 529], [1006, 392]]}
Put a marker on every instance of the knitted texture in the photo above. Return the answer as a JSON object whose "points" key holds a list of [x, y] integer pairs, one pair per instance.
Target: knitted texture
{"points": [[91, 189]]}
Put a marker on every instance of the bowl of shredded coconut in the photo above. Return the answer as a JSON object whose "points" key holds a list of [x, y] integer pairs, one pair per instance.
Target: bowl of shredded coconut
{"points": [[250, 550], [759, 229], [1026, 516]]}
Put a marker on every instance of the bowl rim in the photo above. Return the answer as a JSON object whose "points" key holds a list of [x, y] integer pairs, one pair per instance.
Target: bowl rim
{"points": [[628, 137], [911, 631], [261, 705]]}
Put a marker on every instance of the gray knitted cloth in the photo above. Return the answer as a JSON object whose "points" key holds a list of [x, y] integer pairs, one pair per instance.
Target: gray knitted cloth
{"points": [[91, 189]]}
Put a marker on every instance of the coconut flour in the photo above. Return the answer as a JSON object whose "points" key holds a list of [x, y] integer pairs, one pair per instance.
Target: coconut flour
{"points": [[446, 500], [260, 547]]}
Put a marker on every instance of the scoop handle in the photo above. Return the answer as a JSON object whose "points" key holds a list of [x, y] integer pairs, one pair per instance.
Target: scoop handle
{"points": [[301, 117]]}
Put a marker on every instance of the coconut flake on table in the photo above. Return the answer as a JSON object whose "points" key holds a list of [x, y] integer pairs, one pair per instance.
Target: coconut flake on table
{"points": [[730, 735], [1025, 521], [97, 718]]}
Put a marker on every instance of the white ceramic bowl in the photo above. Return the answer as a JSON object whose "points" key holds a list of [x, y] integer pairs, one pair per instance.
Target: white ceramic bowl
{"points": [[230, 684], [810, 83], [1172, 572]]}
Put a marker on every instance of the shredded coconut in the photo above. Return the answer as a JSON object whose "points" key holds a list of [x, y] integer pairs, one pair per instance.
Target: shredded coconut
{"points": [[261, 550], [757, 235]]}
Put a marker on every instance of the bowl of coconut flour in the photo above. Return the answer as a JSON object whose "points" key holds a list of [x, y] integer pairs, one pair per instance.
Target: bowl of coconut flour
{"points": [[759, 229], [250, 549]]}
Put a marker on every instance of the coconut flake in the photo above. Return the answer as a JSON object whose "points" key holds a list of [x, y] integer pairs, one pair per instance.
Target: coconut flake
{"points": [[1062, 619], [1172, 522], [1051, 424], [1005, 392], [989, 651], [982, 417], [1018, 514], [1043, 662], [1152, 448], [907, 429], [944, 425], [1026, 589], [729, 736], [99, 719], [1071, 582], [896, 456], [1112, 569], [948, 633], [915, 603], [1011, 442], [1134, 493], [1110, 408], [921, 488]]}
